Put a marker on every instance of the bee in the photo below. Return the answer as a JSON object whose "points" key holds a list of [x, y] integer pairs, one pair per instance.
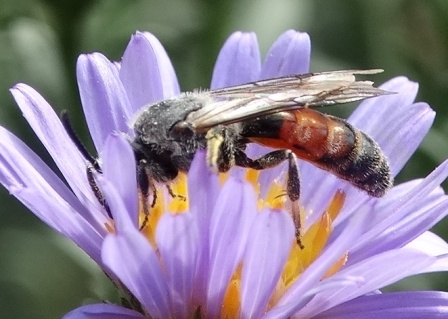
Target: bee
{"points": [[281, 113]]}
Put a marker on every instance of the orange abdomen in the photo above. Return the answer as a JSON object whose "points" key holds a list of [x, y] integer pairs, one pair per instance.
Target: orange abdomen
{"points": [[328, 142]]}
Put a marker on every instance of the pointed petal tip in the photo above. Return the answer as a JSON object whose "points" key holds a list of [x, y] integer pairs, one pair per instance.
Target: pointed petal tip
{"points": [[22, 88], [289, 54], [103, 310], [146, 71], [238, 35], [295, 35], [18, 87], [238, 61], [104, 100], [91, 57], [401, 85]]}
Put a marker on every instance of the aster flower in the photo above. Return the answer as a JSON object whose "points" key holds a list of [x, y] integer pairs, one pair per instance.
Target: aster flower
{"points": [[228, 249]]}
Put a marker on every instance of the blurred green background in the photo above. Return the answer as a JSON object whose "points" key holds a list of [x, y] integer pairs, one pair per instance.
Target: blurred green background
{"points": [[42, 275]]}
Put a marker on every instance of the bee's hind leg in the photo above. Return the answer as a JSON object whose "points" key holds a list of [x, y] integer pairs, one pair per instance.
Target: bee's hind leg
{"points": [[223, 153], [273, 159]]}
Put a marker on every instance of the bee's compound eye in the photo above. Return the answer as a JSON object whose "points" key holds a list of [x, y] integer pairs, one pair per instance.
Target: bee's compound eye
{"points": [[182, 127]]}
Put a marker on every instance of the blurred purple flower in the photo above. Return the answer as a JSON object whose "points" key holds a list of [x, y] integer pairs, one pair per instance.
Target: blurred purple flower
{"points": [[229, 251]]}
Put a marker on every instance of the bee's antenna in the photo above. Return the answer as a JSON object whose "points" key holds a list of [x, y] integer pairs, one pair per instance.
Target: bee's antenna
{"points": [[92, 163], [75, 139]]}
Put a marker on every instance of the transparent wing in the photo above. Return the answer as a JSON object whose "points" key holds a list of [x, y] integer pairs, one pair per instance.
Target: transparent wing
{"points": [[237, 103]]}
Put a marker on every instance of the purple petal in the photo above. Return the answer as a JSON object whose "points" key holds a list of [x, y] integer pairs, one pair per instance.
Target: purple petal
{"points": [[405, 216], [238, 61], [21, 168], [178, 242], [431, 245], [122, 217], [290, 54], [312, 276], [120, 170], [267, 176], [140, 273], [28, 178], [393, 195], [396, 305], [407, 229], [268, 247], [146, 71], [106, 106], [48, 127], [203, 186], [64, 220], [400, 137], [381, 107], [278, 312], [378, 272], [400, 190], [103, 311], [318, 188], [396, 124], [231, 224]]}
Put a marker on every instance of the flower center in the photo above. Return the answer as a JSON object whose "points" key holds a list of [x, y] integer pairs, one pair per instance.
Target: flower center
{"points": [[171, 197], [314, 240], [174, 199]]}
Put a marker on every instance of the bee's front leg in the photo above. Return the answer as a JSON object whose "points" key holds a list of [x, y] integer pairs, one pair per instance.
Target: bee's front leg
{"points": [[220, 148]]}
